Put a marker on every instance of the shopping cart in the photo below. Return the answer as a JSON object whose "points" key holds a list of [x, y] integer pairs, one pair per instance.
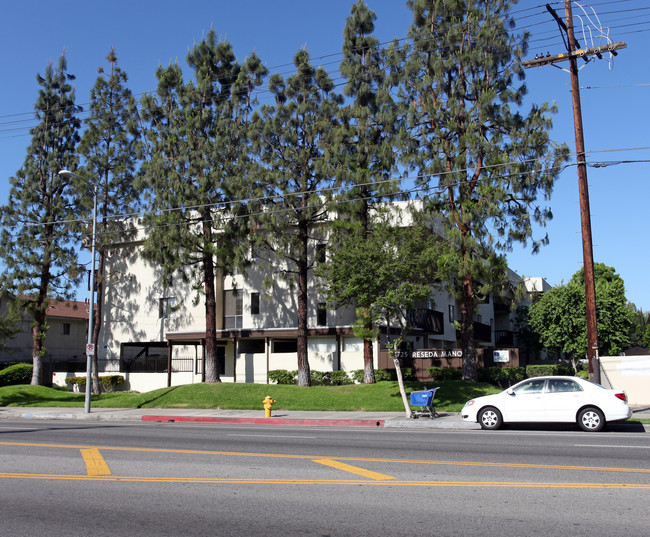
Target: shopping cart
{"points": [[424, 399]]}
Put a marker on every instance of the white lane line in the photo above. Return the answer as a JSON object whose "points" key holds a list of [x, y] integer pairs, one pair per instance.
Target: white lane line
{"points": [[611, 446], [273, 436]]}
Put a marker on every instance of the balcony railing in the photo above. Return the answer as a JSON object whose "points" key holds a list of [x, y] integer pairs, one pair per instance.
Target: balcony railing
{"points": [[429, 320], [482, 332], [504, 337]]}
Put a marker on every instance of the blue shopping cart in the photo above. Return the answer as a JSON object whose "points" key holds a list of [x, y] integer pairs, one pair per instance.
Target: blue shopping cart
{"points": [[424, 399]]}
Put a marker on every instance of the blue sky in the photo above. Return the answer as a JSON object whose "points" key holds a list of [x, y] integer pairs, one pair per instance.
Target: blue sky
{"points": [[147, 33]]}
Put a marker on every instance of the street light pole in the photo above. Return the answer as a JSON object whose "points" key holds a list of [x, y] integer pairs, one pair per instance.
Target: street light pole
{"points": [[90, 348]]}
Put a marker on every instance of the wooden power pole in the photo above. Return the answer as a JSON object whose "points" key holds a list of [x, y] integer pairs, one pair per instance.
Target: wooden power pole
{"points": [[585, 217]]}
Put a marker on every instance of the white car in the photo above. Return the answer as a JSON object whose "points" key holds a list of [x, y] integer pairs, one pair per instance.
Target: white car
{"points": [[550, 400]]}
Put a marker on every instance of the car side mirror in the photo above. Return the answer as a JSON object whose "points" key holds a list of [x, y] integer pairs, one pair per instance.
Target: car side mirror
{"points": [[510, 392]]}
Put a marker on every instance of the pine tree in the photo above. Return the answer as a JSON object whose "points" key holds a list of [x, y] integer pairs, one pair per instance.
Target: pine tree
{"points": [[486, 164], [292, 139], [40, 230], [364, 141], [197, 170], [109, 147]]}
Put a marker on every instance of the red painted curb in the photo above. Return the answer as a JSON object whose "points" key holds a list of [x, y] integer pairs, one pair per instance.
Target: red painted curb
{"points": [[270, 421]]}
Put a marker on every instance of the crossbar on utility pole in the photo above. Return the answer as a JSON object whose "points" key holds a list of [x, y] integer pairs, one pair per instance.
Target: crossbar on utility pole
{"points": [[567, 56]]}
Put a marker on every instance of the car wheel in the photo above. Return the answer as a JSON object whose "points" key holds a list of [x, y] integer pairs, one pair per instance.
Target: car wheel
{"points": [[490, 418], [591, 419]]}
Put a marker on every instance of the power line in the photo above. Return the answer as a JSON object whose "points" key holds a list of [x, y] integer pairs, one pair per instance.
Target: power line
{"points": [[13, 132]]}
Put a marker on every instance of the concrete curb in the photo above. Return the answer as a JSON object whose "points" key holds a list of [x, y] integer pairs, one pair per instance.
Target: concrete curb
{"points": [[313, 422]]}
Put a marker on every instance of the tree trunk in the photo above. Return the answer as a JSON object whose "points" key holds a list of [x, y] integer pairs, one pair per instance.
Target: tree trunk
{"points": [[467, 330], [368, 365], [210, 360], [98, 308], [400, 380], [38, 335], [304, 372]]}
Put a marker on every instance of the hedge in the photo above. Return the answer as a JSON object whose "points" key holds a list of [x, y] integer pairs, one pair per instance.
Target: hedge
{"points": [[16, 374], [109, 382], [336, 378], [282, 376], [444, 373], [501, 376], [549, 369]]}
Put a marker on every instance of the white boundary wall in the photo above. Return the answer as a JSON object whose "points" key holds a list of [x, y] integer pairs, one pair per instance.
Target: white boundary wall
{"points": [[629, 373]]}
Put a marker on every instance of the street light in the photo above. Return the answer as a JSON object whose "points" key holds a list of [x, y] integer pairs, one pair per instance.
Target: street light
{"points": [[90, 348]]}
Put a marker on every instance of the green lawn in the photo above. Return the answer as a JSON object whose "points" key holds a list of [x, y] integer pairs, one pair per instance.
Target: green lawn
{"points": [[379, 397]]}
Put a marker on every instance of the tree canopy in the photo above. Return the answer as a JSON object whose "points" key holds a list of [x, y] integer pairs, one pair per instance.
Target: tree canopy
{"points": [[196, 170], [40, 222], [291, 143], [488, 166], [560, 320], [109, 149]]}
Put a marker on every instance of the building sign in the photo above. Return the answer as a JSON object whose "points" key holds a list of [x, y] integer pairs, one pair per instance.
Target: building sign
{"points": [[501, 356], [437, 353], [431, 353]]}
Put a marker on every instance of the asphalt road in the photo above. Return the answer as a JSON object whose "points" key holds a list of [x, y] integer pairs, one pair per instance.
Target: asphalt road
{"points": [[67, 478]]}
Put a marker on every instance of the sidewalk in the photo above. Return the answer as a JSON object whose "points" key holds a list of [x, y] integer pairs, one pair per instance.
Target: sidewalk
{"points": [[446, 420]]}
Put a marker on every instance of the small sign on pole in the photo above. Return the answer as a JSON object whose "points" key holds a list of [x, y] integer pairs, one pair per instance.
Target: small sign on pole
{"points": [[90, 349]]}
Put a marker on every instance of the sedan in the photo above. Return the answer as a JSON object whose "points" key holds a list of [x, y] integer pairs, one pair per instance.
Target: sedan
{"points": [[550, 400]]}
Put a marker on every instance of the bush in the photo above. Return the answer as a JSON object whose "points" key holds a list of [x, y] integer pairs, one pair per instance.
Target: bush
{"points": [[548, 369], [321, 378], [358, 376], [16, 374], [583, 374], [109, 382], [340, 378], [502, 376], [282, 376], [330, 378], [444, 373]]}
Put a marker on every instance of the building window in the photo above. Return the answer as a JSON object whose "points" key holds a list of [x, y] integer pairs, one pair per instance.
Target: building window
{"points": [[320, 253], [66, 329], [321, 314], [233, 309], [452, 313], [284, 345], [166, 306], [251, 346], [255, 303], [352, 344]]}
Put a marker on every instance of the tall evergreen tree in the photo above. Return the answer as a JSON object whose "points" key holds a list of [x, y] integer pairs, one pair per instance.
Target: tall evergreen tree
{"points": [[489, 166], [40, 230], [364, 142], [109, 147], [197, 170], [292, 139]]}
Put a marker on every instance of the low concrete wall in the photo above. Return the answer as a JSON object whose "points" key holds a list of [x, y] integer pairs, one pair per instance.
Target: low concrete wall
{"points": [[140, 382], [629, 373]]}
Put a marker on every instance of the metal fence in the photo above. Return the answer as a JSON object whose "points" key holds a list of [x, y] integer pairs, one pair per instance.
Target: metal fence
{"points": [[149, 364]]}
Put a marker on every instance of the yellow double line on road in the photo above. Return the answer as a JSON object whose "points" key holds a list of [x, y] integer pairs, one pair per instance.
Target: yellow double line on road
{"points": [[356, 482], [98, 470]]}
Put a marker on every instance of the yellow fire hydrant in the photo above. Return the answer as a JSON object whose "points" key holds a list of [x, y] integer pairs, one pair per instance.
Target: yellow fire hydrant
{"points": [[268, 405]]}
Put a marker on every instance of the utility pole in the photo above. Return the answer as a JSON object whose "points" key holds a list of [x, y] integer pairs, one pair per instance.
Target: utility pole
{"points": [[585, 217]]}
